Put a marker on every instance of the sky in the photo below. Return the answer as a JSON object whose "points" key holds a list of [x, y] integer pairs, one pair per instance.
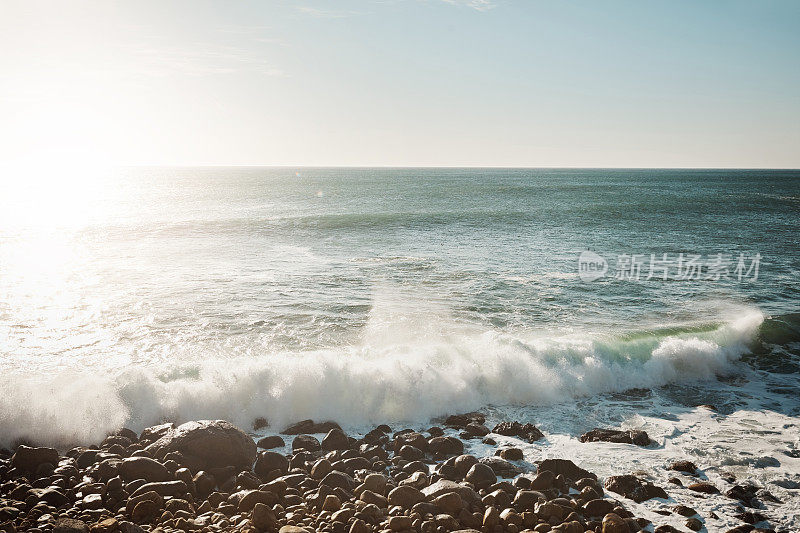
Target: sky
{"points": [[583, 83]]}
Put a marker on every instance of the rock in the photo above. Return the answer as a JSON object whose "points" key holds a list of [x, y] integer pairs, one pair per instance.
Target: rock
{"points": [[501, 467], [321, 469], [461, 421], [263, 517], [332, 503], [51, 496], [481, 476], [548, 510], [598, 507], [144, 511], [634, 488], [309, 426], [704, 487], [411, 453], [142, 468], [528, 432], [251, 498], [376, 483], [566, 468], [491, 518], [29, 459], [405, 496], [512, 454], [204, 483], [684, 466], [336, 439], [270, 441], [367, 496], [292, 529], [638, 437], [400, 523], [474, 429], [445, 446], [543, 480], [359, 526], [109, 525], [684, 510], [70, 525], [613, 523], [443, 485], [449, 502], [338, 479], [306, 442], [694, 524], [92, 501], [162, 488], [268, 462], [463, 463], [213, 443]]}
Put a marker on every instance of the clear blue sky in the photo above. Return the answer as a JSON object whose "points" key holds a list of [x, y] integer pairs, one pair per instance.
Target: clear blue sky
{"points": [[402, 82]]}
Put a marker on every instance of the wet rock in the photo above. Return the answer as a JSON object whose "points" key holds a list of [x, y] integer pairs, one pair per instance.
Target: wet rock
{"points": [[634, 488], [51, 496], [270, 441], [694, 524], [704, 487], [566, 468], [745, 494], [268, 462], [153, 433], [306, 442], [29, 459], [512, 454], [309, 426], [405, 496], [461, 421], [445, 446], [481, 476], [501, 467], [598, 507], [213, 443], [70, 525], [638, 437], [263, 517], [443, 485], [142, 468], [683, 510], [335, 439], [527, 432], [687, 467], [613, 523]]}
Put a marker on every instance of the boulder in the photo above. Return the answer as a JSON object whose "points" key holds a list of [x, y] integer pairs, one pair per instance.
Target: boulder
{"points": [[405, 496], [704, 487], [271, 441], [687, 467], [634, 488], [481, 476], [445, 446], [443, 486], [566, 468], [212, 443], [270, 461], [335, 439], [501, 467], [306, 442], [142, 468], [635, 436], [309, 426], [70, 525], [527, 432], [29, 459]]}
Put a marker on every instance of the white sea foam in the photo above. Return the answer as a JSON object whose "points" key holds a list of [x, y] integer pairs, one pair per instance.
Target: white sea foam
{"points": [[413, 362]]}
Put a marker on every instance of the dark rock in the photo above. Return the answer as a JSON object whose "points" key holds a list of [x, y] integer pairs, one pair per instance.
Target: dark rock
{"points": [[684, 466], [70, 525], [512, 454], [306, 442], [528, 432], [481, 476], [309, 426], [566, 468], [153, 433], [598, 507], [445, 446], [336, 439], [338, 479], [50, 495], [271, 441], [500, 466], [640, 438], [463, 420], [684, 510], [142, 468], [29, 459], [263, 517], [214, 443], [704, 487], [270, 461], [634, 488]]}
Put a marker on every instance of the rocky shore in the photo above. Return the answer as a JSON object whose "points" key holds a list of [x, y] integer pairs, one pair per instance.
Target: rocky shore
{"points": [[211, 476]]}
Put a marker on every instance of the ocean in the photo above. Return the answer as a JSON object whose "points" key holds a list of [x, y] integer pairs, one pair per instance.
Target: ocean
{"points": [[569, 298]]}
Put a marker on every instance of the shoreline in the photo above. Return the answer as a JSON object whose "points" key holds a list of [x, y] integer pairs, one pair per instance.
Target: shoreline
{"points": [[212, 476]]}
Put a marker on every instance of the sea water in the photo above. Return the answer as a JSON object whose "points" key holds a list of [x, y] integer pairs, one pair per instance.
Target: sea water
{"points": [[368, 296]]}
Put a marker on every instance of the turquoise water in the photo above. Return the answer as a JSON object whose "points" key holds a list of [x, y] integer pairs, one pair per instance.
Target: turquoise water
{"points": [[195, 292]]}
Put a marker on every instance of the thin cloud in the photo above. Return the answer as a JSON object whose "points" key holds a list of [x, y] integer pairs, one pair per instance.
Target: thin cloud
{"points": [[477, 5], [326, 13]]}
